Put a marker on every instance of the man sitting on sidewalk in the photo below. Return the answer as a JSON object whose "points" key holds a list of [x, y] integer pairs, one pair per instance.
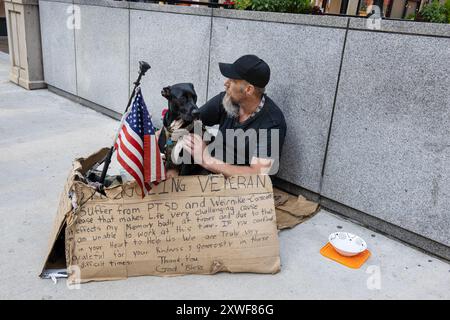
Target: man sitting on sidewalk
{"points": [[252, 127]]}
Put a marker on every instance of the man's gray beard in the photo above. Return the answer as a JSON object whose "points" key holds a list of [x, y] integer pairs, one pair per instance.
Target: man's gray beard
{"points": [[231, 108]]}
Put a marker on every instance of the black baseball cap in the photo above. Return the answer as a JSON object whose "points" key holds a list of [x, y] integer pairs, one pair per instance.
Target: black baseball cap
{"points": [[249, 68]]}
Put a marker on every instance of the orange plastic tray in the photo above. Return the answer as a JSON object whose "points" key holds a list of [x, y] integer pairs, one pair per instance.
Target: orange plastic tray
{"points": [[354, 262]]}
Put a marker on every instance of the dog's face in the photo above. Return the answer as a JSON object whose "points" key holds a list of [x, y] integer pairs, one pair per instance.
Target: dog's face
{"points": [[182, 101]]}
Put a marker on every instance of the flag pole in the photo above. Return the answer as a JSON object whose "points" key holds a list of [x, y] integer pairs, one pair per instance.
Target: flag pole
{"points": [[143, 68]]}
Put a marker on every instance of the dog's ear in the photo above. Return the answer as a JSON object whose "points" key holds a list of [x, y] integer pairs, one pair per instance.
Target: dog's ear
{"points": [[165, 92], [191, 90]]}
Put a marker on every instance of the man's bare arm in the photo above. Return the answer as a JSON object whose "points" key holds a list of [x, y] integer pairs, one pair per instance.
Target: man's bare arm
{"points": [[197, 148], [257, 166]]}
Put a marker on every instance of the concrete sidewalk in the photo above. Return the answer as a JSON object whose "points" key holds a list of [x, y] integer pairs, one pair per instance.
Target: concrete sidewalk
{"points": [[41, 133]]}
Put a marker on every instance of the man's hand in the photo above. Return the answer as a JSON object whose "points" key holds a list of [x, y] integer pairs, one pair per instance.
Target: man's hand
{"points": [[195, 145], [198, 150]]}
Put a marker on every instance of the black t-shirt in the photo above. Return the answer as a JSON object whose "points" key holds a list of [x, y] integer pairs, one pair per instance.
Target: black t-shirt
{"points": [[238, 139]]}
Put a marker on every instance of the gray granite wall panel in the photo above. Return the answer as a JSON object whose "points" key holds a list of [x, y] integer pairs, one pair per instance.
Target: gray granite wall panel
{"points": [[58, 45], [304, 63], [176, 46], [102, 54], [389, 152]]}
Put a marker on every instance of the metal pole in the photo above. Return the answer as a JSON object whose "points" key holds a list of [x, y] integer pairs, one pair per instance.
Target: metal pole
{"points": [[143, 68]]}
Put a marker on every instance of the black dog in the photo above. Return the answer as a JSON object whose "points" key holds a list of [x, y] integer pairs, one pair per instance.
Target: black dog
{"points": [[182, 100], [181, 114]]}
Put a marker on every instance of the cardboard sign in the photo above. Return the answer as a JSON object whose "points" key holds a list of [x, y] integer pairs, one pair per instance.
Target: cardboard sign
{"points": [[187, 225]]}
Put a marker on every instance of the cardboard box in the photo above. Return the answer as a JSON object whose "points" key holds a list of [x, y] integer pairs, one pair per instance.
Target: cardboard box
{"points": [[187, 225]]}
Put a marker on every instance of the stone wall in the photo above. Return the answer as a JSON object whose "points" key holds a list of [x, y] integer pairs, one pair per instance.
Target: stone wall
{"points": [[367, 110]]}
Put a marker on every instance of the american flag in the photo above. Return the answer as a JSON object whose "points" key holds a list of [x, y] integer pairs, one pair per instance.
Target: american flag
{"points": [[137, 146]]}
